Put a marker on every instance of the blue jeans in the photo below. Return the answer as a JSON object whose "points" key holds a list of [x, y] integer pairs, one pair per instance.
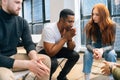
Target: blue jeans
{"points": [[88, 59]]}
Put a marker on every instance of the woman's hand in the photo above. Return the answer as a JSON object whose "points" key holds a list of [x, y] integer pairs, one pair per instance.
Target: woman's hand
{"points": [[97, 53]]}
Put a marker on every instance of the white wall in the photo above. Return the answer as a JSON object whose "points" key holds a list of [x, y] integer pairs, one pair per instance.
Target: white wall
{"points": [[77, 24], [57, 5]]}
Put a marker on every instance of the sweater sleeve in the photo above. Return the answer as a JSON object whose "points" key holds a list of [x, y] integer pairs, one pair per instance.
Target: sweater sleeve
{"points": [[26, 38], [89, 45], [116, 73], [6, 61], [108, 48]]}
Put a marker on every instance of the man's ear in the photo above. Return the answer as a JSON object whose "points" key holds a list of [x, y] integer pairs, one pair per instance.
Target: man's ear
{"points": [[62, 19], [3, 2]]}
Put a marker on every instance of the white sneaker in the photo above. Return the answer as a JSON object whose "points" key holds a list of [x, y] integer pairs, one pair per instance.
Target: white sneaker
{"points": [[87, 76], [111, 78]]}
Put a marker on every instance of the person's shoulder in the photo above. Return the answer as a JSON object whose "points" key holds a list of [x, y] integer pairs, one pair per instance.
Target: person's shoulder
{"points": [[50, 25], [20, 18]]}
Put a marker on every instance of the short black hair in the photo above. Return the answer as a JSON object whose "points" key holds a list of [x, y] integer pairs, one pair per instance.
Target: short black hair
{"points": [[65, 12]]}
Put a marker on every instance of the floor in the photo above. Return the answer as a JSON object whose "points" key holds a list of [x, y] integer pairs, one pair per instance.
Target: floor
{"points": [[77, 74]]}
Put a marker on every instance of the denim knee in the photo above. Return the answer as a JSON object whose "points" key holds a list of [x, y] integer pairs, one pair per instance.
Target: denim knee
{"points": [[110, 56], [74, 56]]}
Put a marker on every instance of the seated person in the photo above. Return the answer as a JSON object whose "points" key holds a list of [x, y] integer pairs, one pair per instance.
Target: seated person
{"points": [[54, 37], [12, 28], [111, 68], [100, 38]]}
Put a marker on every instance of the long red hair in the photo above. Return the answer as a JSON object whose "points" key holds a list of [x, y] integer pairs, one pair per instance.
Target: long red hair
{"points": [[106, 26]]}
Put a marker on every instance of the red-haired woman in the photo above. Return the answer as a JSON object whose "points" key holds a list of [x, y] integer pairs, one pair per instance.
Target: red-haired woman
{"points": [[100, 37]]}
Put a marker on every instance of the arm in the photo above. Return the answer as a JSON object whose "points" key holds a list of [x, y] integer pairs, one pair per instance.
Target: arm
{"points": [[111, 46], [89, 45], [70, 44], [110, 67], [97, 52], [26, 38], [35, 65], [116, 73], [33, 55], [108, 48], [114, 70], [11, 63], [54, 48]]}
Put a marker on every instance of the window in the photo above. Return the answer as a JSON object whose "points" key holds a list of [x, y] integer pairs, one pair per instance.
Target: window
{"points": [[47, 10], [27, 10], [36, 12], [83, 39], [115, 13], [115, 6], [117, 40], [87, 8]]}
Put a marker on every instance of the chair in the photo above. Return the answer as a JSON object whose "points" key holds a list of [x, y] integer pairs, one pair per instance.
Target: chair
{"points": [[60, 62]]}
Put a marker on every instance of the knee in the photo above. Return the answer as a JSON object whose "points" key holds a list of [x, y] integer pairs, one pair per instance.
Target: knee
{"points": [[112, 54], [75, 56], [6, 74], [46, 60], [87, 54]]}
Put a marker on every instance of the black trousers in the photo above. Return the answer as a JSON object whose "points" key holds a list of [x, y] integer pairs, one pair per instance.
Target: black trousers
{"points": [[71, 56]]}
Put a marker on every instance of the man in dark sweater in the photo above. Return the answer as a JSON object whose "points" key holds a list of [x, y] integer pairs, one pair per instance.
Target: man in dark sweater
{"points": [[12, 28]]}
